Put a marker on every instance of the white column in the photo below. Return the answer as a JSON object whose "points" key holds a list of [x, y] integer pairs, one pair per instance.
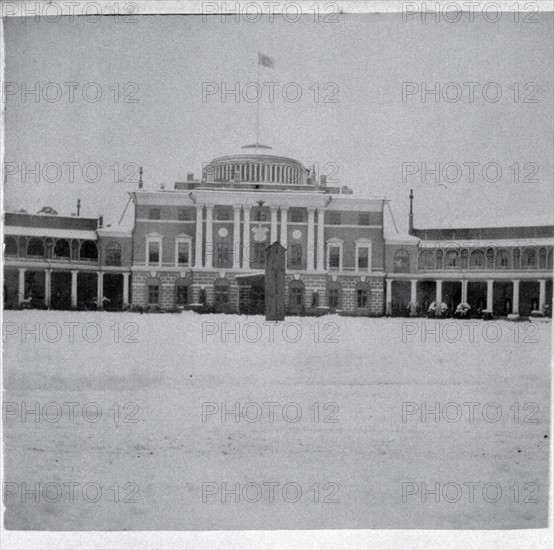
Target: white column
{"points": [[284, 221], [515, 301], [388, 310], [273, 234], [198, 240], [21, 289], [320, 238], [413, 297], [125, 289], [100, 290], [490, 283], [246, 238], [311, 239], [542, 294], [74, 288], [47, 287], [209, 236], [464, 290], [438, 298], [236, 237]]}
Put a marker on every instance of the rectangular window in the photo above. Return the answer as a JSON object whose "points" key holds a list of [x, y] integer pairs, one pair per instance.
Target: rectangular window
{"points": [[154, 252], [334, 257], [363, 218], [259, 254], [183, 253], [153, 294], [154, 214], [260, 215], [334, 218], [222, 256], [362, 298], [186, 214], [295, 259], [223, 214], [296, 215], [363, 257]]}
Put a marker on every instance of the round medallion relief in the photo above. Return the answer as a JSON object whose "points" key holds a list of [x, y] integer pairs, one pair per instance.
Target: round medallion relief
{"points": [[223, 232], [297, 234]]}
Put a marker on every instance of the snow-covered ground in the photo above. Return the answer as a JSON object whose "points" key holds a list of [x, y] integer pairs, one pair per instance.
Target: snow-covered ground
{"points": [[334, 407]]}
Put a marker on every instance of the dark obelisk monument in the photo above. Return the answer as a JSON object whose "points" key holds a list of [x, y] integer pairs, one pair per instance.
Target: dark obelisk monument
{"points": [[275, 282]]}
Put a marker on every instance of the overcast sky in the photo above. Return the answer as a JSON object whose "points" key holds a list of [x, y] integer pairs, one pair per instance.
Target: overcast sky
{"points": [[367, 133]]}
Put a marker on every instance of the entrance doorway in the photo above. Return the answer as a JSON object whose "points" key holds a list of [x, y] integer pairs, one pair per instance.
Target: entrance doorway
{"points": [[252, 295]]}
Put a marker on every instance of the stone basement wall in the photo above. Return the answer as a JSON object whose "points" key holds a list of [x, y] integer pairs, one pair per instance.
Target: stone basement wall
{"points": [[376, 299], [312, 282]]}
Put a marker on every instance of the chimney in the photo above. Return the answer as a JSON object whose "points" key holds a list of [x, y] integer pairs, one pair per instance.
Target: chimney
{"points": [[100, 222], [190, 176], [141, 184], [78, 207], [411, 216]]}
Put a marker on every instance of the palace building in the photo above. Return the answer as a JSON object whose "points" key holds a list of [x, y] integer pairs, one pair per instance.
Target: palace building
{"points": [[202, 245], [205, 241]]}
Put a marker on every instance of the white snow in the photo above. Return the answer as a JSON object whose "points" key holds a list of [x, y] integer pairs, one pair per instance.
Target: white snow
{"points": [[369, 372]]}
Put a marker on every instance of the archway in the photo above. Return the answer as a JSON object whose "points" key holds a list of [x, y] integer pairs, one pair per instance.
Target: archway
{"points": [[113, 290], [60, 290]]}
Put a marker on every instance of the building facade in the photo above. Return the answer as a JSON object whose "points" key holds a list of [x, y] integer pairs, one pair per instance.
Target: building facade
{"points": [[201, 245], [204, 241], [65, 263]]}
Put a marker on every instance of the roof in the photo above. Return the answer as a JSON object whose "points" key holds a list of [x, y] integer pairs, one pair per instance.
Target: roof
{"points": [[481, 233], [47, 221]]}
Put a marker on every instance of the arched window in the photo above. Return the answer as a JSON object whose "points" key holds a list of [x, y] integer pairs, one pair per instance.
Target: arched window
{"points": [[490, 258], [10, 246], [296, 296], [438, 259], [401, 261], [426, 260], [334, 295], [502, 259], [550, 260], [61, 249], [542, 258], [88, 251], [465, 258], [35, 247], [529, 259], [182, 292], [113, 254], [477, 259], [221, 294], [517, 258], [451, 259]]}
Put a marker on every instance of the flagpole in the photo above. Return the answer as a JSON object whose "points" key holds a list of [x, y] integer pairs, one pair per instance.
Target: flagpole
{"points": [[258, 104]]}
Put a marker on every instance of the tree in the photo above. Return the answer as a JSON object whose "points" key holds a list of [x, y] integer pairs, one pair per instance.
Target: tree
{"points": [[47, 210]]}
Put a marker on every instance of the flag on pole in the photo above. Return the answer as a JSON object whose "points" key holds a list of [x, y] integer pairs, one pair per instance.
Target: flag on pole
{"points": [[265, 60]]}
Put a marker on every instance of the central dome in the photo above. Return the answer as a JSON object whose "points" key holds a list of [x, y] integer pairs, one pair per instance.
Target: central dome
{"points": [[255, 163]]}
